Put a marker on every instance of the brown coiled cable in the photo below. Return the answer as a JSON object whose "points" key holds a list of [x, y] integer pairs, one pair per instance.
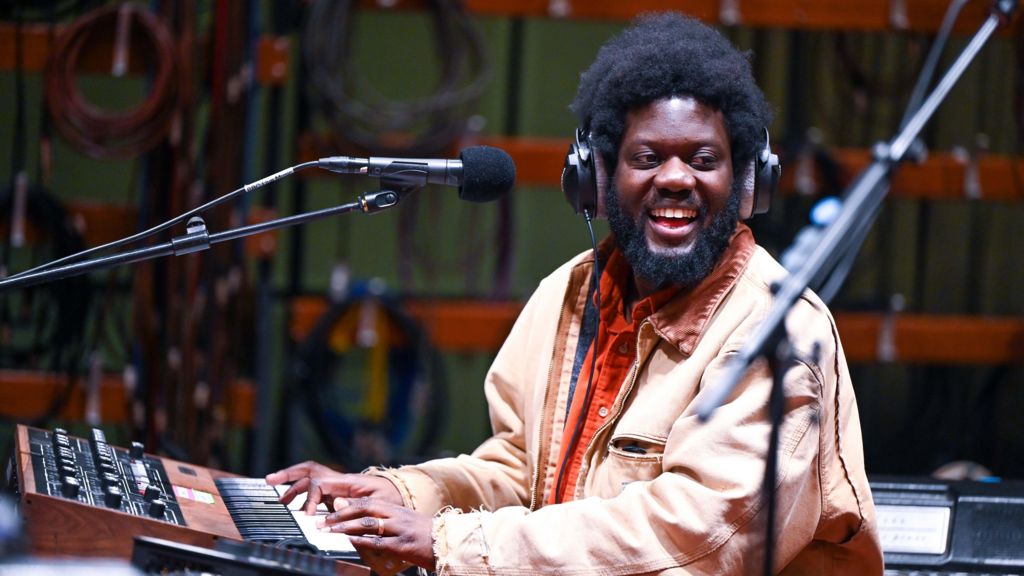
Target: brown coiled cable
{"points": [[105, 133]]}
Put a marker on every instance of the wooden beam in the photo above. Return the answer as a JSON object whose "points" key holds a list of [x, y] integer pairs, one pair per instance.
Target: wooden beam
{"points": [[272, 57], [97, 222], [941, 177], [538, 160], [27, 394], [481, 326], [872, 15], [96, 56], [923, 16], [103, 222], [453, 326], [921, 338]]}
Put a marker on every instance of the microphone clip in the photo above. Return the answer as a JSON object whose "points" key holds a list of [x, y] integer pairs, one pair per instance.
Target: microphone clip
{"points": [[196, 238]]}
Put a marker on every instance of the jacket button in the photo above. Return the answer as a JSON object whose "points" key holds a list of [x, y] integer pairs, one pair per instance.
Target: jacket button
{"points": [[623, 348], [602, 411]]}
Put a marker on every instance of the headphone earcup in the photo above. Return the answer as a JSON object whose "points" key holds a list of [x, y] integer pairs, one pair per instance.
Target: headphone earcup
{"points": [[761, 180], [600, 186], [749, 191], [583, 176]]}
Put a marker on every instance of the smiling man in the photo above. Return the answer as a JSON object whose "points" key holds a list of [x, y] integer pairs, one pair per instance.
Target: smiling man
{"points": [[598, 463], [672, 206]]}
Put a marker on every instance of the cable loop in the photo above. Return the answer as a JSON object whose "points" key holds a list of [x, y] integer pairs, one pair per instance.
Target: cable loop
{"points": [[106, 133], [361, 115]]}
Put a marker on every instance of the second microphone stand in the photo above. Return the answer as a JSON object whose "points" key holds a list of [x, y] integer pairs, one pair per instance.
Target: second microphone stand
{"points": [[838, 246]]}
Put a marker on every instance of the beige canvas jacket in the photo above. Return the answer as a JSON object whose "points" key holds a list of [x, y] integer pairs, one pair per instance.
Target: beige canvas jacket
{"points": [[690, 504]]}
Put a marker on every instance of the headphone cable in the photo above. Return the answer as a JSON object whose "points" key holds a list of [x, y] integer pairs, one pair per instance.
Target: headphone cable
{"points": [[578, 428]]}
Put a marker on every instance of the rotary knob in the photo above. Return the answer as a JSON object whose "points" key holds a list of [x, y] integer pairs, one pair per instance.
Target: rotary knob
{"points": [[112, 497], [137, 450], [109, 479], [157, 507], [152, 493], [69, 487], [59, 441], [106, 468]]}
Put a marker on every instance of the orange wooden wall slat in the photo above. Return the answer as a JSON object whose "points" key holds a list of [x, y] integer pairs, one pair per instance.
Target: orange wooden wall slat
{"points": [[25, 394], [481, 326]]}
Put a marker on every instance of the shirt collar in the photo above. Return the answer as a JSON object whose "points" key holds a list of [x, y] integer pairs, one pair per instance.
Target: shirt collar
{"points": [[679, 316]]}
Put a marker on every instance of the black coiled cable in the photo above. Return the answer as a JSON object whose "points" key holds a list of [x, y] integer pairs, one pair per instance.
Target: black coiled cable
{"points": [[362, 116], [417, 392]]}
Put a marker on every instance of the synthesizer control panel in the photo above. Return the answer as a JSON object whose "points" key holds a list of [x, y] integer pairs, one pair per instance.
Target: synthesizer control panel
{"points": [[98, 474], [79, 496]]}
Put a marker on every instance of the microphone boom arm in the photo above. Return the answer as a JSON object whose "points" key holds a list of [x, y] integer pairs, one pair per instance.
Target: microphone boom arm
{"points": [[197, 239]]}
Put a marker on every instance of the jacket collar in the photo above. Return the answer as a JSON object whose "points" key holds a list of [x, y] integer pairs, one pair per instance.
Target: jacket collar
{"points": [[682, 321]]}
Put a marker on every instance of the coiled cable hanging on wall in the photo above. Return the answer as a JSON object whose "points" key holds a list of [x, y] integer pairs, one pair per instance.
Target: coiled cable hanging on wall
{"points": [[371, 382], [40, 327], [361, 115], [104, 133]]}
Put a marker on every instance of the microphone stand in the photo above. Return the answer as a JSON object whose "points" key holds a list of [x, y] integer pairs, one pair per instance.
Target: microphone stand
{"points": [[197, 238], [838, 245]]}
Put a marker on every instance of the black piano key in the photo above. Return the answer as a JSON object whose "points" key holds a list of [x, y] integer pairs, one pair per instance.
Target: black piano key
{"points": [[255, 510]]}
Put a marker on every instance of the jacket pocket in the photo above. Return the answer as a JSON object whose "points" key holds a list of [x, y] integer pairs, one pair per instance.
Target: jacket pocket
{"points": [[637, 447], [628, 458]]}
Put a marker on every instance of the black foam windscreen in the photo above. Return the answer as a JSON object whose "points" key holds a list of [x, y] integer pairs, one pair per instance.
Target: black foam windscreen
{"points": [[488, 173]]}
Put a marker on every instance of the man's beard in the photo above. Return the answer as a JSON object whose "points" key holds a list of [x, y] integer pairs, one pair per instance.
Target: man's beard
{"points": [[662, 270]]}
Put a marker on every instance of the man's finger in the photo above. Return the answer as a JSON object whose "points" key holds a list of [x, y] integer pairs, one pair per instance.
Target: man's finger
{"points": [[294, 490], [355, 508], [290, 474], [378, 543], [313, 498]]}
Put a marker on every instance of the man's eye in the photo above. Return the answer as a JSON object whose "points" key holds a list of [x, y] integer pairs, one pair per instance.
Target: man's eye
{"points": [[704, 162], [647, 159]]}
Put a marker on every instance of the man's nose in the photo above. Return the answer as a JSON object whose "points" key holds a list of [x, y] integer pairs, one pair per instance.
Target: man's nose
{"points": [[675, 175]]}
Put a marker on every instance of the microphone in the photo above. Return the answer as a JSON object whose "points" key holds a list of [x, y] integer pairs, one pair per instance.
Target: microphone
{"points": [[482, 173]]}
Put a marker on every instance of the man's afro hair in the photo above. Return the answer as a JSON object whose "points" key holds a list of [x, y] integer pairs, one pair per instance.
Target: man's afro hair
{"points": [[665, 55]]}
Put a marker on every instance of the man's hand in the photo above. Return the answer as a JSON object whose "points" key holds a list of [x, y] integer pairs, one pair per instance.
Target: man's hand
{"points": [[321, 484], [380, 526]]}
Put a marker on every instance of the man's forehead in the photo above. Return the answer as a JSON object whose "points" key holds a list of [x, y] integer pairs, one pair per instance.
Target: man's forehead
{"points": [[664, 114]]}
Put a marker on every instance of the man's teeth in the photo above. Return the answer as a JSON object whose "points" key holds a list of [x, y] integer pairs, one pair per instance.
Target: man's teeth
{"points": [[678, 213]]}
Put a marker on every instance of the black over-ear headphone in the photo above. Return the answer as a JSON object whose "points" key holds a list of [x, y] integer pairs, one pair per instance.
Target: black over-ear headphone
{"points": [[584, 178]]}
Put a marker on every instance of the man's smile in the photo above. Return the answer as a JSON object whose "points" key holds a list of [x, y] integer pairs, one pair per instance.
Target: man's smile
{"points": [[671, 226]]}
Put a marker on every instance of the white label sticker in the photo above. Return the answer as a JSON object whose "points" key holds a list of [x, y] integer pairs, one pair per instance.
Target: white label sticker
{"points": [[913, 529]]}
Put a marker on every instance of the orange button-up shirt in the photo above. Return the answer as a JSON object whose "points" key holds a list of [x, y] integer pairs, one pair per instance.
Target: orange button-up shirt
{"points": [[615, 346]]}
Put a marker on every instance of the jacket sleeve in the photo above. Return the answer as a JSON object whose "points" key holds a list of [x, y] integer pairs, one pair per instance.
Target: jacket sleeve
{"points": [[498, 472], [702, 515]]}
